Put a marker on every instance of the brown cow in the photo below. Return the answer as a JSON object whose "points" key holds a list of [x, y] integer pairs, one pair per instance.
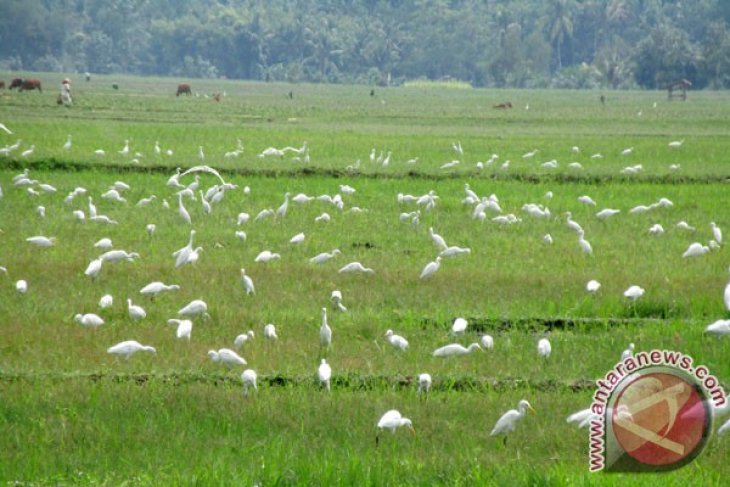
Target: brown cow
{"points": [[505, 104], [2, 84], [16, 83], [184, 88], [26, 84]]}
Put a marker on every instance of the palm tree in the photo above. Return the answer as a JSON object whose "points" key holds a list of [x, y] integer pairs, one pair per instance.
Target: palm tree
{"points": [[560, 19]]}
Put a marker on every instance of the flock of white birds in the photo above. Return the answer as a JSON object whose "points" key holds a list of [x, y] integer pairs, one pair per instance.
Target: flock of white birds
{"points": [[480, 207]]}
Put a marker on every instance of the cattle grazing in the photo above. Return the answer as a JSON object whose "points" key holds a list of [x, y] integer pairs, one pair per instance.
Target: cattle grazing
{"points": [[184, 88], [682, 86], [505, 104], [26, 84], [216, 96]]}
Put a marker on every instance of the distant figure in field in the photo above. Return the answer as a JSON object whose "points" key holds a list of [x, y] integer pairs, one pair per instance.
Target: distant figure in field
{"points": [[291, 95], [505, 104], [2, 84], [372, 92], [87, 75], [65, 96], [184, 89]]}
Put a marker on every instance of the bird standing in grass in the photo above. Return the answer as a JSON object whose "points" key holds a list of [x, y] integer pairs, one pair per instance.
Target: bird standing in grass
{"points": [[430, 268], [248, 377], [324, 374], [392, 420], [544, 348], [325, 332], [455, 349], [128, 348], [247, 282], [396, 340], [424, 383], [509, 420]]}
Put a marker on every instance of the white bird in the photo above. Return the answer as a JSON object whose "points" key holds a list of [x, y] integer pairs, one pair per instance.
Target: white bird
{"points": [[487, 342], [459, 326], [88, 319], [455, 349], [719, 327], [325, 332], [392, 420], [113, 195], [424, 383], [575, 165], [106, 301], [336, 299], [716, 233], [695, 249], [247, 282], [675, 144], [248, 377], [726, 296], [281, 211], [656, 229], [135, 312], [79, 215], [607, 213], [5, 129], [125, 149], [530, 154], [267, 256], [572, 224], [157, 287], [184, 327], [683, 225], [547, 238], [47, 188], [454, 251], [115, 255], [201, 154], [151, 227], [302, 198], [634, 292], [94, 268], [324, 257], [28, 152], [194, 308], [270, 332], [581, 416], [437, 239], [593, 286], [629, 352], [21, 286], [243, 338], [356, 267], [627, 151], [544, 349], [430, 268], [324, 217], [324, 374], [128, 348], [297, 239], [226, 356], [182, 255], [509, 420], [264, 214], [396, 341], [41, 241], [174, 180], [585, 245], [586, 200], [182, 211]]}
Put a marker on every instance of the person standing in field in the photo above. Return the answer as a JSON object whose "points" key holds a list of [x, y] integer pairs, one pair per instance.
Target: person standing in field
{"points": [[65, 96]]}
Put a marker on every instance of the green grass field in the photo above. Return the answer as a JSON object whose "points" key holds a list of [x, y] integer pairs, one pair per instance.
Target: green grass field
{"points": [[72, 414]]}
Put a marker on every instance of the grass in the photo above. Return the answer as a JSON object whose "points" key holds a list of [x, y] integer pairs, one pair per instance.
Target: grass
{"points": [[72, 414]]}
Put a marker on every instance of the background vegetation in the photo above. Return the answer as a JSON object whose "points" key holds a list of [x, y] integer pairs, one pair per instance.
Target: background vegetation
{"points": [[506, 43]]}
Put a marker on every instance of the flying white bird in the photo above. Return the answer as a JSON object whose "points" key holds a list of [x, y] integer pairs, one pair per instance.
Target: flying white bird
{"points": [[324, 374], [396, 341], [509, 420], [455, 350], [128, 348], [393, 420]]}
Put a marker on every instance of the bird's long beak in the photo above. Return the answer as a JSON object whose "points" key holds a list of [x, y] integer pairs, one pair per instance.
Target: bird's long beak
{"points": [[531, 410], [413, 430]]}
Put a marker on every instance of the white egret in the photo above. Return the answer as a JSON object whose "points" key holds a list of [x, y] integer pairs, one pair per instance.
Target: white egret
{"points": [[151, 227], [41, 241], [459, 325], [135, 312], [392, 420], [267, 256], [302, 198], [324, 217], [207, 208], [683, 225], [656, 229], [593, 286], [47, 188], [88, 319], [396, 341], [243, 338], [627, 151], [430, 268], [324, 374], [247, 282], [106, 301], [454, 251], [695, 249], [437, 239], [716, 233], [157, 287], [281, 211], [270, 332], [182, 255], [104, 243], [297, 239], [264, 214], [544, 349], [634, 292], [113, 195], [585, 245], [94, 268], [509, 420], [248, 377], [455, 349], [325, 332], [581, 417], [194, 308], [572, 224], [487, 342], [115, 255], [356, 267], [182, 211], [28, 152], [128, 348], [324, 257], [629, 352], [79, 215], [41, 211], [607, 213], [184, 327], [241, 235], [547, 238], [21, 286], [424, 383], [719, 327], [336, 299], [726, 296], [675, 144], [226, 356]]}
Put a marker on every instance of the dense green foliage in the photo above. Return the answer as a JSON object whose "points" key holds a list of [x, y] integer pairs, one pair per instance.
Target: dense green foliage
{"points": [[505, 43]]}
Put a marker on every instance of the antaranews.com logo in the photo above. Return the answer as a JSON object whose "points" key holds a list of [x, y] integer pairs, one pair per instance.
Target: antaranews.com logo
{"points": [[652, 412]]}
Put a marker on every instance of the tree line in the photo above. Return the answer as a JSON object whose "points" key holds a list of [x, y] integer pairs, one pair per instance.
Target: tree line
{"points": [[492, 43]]}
